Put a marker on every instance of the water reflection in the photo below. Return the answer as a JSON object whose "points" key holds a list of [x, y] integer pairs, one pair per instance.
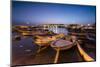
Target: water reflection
{"points": [[59, 30]]}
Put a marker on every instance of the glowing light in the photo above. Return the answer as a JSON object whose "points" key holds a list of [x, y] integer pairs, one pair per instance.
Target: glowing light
{"points": [[88, 24]]}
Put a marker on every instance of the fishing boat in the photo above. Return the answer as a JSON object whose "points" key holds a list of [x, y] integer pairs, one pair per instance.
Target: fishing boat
{"points": [[59, 45], [44, 40]]}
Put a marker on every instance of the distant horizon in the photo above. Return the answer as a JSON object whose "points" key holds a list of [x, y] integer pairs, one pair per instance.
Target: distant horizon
{"points": [[54, 24]]}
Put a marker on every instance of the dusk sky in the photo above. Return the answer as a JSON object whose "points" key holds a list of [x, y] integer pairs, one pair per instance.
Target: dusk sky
{"points": [[46, 13]]}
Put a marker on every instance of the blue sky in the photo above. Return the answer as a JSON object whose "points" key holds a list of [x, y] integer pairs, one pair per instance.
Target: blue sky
{"points": [[47, 13]]}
